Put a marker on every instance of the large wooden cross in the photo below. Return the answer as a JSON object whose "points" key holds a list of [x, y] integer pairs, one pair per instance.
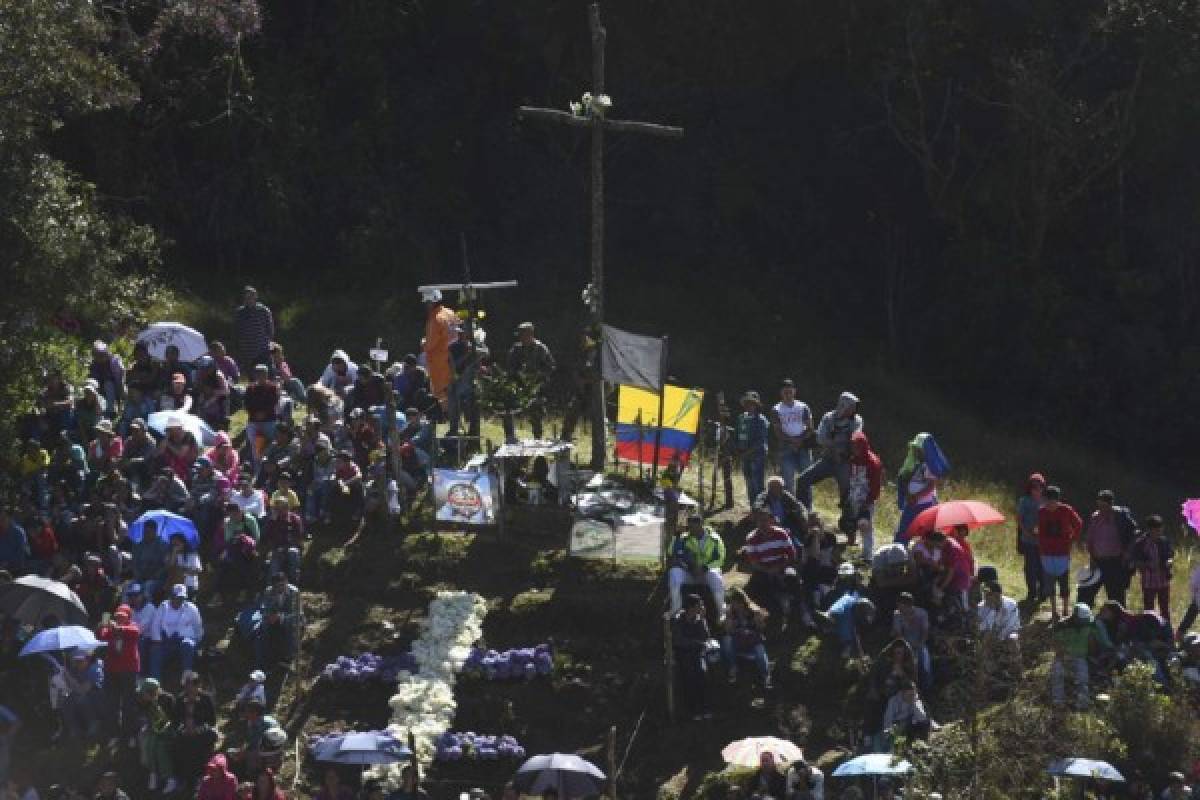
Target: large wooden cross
{"points": [[598, 123]]}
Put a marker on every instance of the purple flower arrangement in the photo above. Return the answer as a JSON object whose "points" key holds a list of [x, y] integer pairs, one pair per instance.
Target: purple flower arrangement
{"points": [[368, 667], [524, 663], [471, 746]]}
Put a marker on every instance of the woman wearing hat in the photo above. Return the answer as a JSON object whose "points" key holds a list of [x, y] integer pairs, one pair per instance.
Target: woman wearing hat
{"points": [[176, 397], [105, 449], [178, 448]]}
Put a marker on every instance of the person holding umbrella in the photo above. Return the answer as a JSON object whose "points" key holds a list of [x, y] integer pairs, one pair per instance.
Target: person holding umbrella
{"points": [[410, 788], [83, 704]]}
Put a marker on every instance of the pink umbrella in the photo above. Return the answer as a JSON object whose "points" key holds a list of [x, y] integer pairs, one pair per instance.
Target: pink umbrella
{"points": [[1191, 513], [948, 516]]}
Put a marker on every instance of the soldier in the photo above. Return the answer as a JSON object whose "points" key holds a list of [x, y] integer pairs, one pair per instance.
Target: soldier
{"points": [[583, 388], [531, 359]]}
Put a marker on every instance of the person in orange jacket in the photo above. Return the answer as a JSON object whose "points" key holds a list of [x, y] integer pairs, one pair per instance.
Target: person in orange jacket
{"points": [[440, 333]]}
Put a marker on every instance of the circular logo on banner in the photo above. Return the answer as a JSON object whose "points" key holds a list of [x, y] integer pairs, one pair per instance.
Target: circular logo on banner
{"points": [[464, 500]]}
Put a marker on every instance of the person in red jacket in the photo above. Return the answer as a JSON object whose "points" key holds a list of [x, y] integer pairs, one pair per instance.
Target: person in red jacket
{"points": [[122, 662], [772, 556], [1058, 526], [862, 490]]}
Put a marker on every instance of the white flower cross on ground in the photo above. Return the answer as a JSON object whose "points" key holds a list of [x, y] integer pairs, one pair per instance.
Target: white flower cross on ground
{"points": [[424, 703]]}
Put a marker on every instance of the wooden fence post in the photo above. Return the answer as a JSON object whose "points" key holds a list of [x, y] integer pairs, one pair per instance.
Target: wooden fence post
{"points": [[670, 662]]}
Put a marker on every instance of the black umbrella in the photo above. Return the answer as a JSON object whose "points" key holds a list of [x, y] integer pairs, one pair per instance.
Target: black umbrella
{"points": [[569, 774], [31, 599]]}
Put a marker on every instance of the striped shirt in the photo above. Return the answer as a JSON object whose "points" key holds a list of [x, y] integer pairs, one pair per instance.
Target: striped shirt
{"points": [[770, 547], [254, 328]]}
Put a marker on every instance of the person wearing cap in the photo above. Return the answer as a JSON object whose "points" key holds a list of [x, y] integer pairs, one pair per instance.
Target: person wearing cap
{"points": [[771, 553], [208, 493], [257, 724], [180, 631], [997, 618], [178, 449], [253, 329], [698, 557], [1028, 505], [833, 438], [344, 494], [410, 383], [750, 433], [253, 690], [105, 449], [689, 642], [157, 708], [261, 402], [122, 663], [284, 491], [1072, 642], [177, 395], [108, 371], [1058, 528], [224, 456], [531, 359], [279, 635], [440, 325], [795, 433], [1109, 537]]}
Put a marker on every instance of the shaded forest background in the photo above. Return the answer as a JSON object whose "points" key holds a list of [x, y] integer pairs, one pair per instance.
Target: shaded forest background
{"points": [[997, 200]]}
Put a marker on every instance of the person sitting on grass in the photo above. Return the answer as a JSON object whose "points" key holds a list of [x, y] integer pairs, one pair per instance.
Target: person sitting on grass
{"points": [[689, 641], [910, 622], [895, 668], [279, 634], [770, 553], [789, 512], [745, 637], [698, 556], [218, 782], [1072, 643], [905, 717]]}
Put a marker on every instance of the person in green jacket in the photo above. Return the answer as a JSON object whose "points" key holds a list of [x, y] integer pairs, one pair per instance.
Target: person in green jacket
{"points": [[697, 557], [1073, 639]]}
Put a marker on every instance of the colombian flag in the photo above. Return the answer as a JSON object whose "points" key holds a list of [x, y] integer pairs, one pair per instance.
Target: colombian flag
{"points": [[681, 412]]}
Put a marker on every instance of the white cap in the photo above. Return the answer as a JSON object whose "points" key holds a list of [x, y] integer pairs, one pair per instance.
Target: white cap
{"points": [[431, 295], [258, 676]]}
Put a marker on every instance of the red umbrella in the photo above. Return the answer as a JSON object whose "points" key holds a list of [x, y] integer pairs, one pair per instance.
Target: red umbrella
{"points": [[948, 516]]}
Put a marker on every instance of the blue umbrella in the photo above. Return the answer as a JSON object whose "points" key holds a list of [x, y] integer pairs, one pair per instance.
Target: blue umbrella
{"points": [[872, 765], [168, 525], [1084, 768], [65, 637], [361, 748], [569, 774]]}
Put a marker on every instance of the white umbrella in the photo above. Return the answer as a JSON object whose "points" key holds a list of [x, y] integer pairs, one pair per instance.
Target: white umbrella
{"points": [[159, 421], [747, 752], [872, 765], [160, 335], [1084, 768]]}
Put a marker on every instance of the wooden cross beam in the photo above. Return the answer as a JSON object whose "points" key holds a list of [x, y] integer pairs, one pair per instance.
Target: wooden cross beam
{"points": [[598, 123]]}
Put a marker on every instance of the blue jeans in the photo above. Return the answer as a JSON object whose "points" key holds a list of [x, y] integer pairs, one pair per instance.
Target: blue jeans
{"points": [[168, 648], [910, 512], [754, 470], [793, 462], [731, 654], [824, 467]]}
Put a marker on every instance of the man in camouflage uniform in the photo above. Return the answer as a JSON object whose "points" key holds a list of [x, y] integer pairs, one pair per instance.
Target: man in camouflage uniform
{"points": [[530, 358]]}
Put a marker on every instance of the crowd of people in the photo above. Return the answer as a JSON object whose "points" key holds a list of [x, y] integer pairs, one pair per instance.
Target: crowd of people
{"points": [[133, 490], [922, 591], [170, 532]]}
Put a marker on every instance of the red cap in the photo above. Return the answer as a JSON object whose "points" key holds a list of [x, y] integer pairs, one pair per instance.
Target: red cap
{"points": [[123, 611]]}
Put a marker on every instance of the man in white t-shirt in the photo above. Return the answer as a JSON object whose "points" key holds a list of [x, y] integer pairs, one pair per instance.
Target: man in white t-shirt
{"points": [[792, 421], [247, 498]]}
